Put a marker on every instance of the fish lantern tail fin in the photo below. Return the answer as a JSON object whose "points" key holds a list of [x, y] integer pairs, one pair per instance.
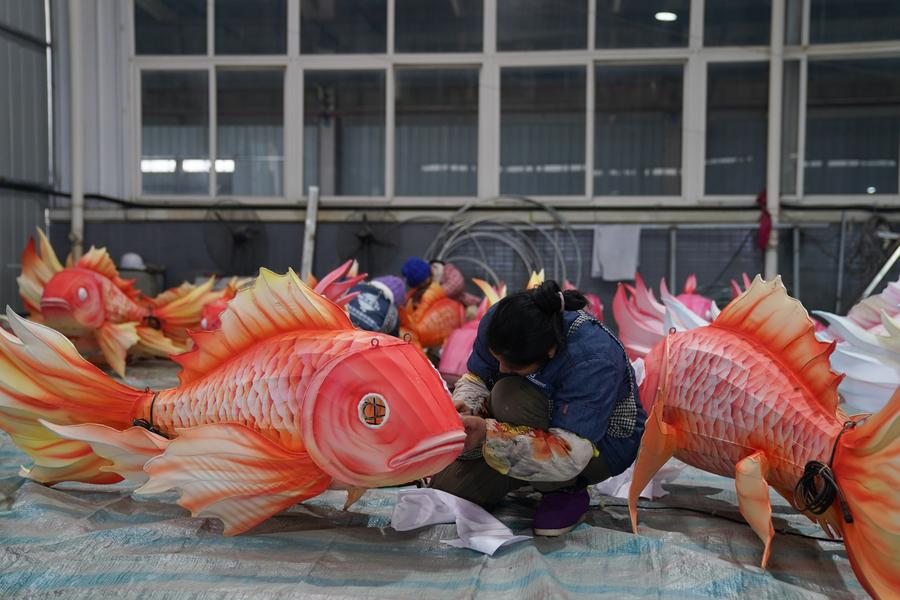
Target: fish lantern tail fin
{"points": [[43, 379], [867, 470]]}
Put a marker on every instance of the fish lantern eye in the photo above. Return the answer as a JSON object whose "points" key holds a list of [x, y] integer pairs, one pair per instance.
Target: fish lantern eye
{"points": [[82, 294], [374, 411], [203, 323]]}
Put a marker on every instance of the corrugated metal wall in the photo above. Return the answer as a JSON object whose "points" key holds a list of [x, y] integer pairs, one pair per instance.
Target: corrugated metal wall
{"points": [[23, 134]]}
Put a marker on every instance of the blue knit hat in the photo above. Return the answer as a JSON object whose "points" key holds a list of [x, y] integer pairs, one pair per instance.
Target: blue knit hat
{"points": [[415, 271]]}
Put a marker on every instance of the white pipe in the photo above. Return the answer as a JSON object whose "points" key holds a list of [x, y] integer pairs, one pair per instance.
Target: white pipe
{"points": [[773, 166], [76, 235], [309, 232]]}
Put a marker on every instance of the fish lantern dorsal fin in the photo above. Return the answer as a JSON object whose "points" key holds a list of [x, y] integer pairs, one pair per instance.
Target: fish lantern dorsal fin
{"points": [[690, 284], [99, 261], [766, 314], [536, 279], [891, 341], [48, 255], [39, 265], [274, 305]]}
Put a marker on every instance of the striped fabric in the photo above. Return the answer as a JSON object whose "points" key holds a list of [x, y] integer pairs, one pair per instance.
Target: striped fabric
{"points": [[78, 541]]}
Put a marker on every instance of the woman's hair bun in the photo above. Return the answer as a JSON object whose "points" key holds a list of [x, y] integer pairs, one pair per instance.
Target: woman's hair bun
{"points": [[546, 296]]}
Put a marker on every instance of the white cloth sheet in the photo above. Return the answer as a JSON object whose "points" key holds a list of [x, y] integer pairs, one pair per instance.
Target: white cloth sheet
{"points": [[477, 529]]}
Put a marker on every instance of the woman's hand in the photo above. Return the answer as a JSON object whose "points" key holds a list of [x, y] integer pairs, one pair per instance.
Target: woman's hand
{"points": [[469, 395], [462, 408], [476, 431]]}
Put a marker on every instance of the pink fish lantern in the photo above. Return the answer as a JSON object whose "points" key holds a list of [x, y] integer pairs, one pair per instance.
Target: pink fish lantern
{"points": [[752, 397], [336, 285], [699, 305], [595, 305], [736, 289], [458, 346], [867, 313], [284, 401], [212, 310], [639, 317]]}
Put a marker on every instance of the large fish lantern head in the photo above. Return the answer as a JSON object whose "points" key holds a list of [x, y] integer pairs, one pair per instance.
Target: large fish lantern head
{"points": [[72, 302], [380, 416]]}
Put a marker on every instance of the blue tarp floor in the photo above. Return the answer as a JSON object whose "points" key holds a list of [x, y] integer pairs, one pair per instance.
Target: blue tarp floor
{"points": [[80, 541]]}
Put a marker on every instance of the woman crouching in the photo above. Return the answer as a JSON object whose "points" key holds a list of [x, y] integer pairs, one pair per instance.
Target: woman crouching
{"points": [[549, 401]]}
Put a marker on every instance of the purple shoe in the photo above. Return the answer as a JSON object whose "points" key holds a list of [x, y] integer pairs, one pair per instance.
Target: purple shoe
{"points": [[560, 512]]}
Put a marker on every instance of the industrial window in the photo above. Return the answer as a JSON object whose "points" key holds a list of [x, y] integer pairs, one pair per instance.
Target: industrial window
{"points": [[642, 23], [541, 24], [581, 102], [736, 128], [436, 132], [637, 130], [737, 22], [343, 26], [257, 27], [790, 127], [170, 26], [175, 132], [834, 21], [542, 130], [439, 25], [344, 129], [249, 132], [853, 120]]}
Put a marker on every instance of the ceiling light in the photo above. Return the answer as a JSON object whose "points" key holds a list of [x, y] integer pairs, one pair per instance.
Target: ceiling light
{"points": [[195, 165], [158, 165], [665, 16], [224, 165]]}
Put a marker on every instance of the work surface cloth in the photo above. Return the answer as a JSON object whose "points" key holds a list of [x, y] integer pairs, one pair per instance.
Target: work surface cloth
{"points": [[81, 541]]}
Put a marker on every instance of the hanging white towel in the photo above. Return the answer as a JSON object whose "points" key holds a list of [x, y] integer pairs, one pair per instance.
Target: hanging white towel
{"points": [[615, 252]]}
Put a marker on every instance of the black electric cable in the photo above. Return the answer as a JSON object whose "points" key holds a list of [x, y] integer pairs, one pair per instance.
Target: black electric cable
{"points": [[809, 496]]}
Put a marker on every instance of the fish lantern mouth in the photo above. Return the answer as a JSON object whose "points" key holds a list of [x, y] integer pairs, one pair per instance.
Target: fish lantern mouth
{"points": [[380, 416], [55, 304], [449, 443], [58, 314]]}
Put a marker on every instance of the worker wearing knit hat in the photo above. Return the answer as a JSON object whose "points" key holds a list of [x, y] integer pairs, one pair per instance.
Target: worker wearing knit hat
{"points": [[416, 271]]}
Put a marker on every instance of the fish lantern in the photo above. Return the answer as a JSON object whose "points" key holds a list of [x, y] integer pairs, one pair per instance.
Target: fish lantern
{"points": [[337, 284], [752, 397], [431, 320], [639, 317], [325, 405], [212, 310], [699, 305], [461, 340], [89, 302]]}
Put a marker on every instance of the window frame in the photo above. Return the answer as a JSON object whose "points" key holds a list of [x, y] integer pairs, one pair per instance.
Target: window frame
{"points": [[695, 58]]}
